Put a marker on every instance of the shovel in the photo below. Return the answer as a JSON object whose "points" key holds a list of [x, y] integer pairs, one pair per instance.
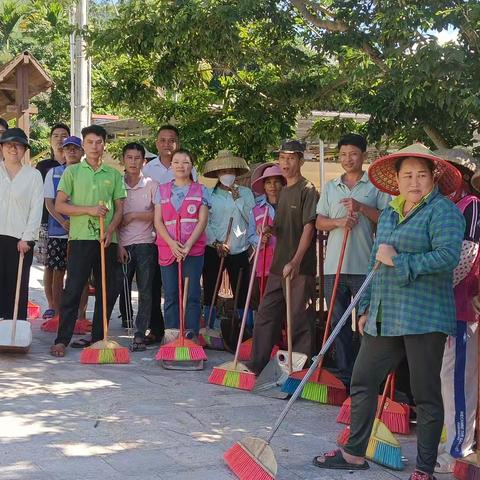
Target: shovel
{"points": [[16, 336], [275, 374]]}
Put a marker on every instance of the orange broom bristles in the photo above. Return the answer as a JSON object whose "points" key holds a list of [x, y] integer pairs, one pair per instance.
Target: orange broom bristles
{"points": [[91, 355], [243, 466], [181, 349], [82, 325]]}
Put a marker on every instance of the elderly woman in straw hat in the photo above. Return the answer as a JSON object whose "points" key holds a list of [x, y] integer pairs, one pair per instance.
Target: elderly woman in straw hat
{"points": [[229, 201], [459, 369], [409, 309]]}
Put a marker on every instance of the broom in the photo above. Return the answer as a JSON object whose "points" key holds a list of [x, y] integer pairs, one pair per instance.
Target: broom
{"points": [[394, 415], [468, 468], [253, 458], [104, 351], [323, 387], [235, 374], [382, 448], [181, 349], [214, 341]]}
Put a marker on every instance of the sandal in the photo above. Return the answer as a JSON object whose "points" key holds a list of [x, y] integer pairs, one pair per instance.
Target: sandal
{"points": [[57, 350], [445, 463], [334, 460], [138, 345], [418, 475], [82, 343], [48, 314]]}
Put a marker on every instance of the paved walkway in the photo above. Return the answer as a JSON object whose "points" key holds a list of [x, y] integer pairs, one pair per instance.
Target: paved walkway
{"points": [[60, 419]]}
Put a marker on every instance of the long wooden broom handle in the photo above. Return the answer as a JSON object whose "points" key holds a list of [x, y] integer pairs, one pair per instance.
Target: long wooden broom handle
{"points": [[288, 301], [386, 389], [104, 277], [181, 312], [249, 293], [17, 298], [219, 275]]}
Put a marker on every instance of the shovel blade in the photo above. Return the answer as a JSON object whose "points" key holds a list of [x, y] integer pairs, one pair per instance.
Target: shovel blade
{"points": [[23, 336], [275, 374]]}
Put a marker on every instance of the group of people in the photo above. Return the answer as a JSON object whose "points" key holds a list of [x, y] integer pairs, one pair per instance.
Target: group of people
{"points": [[413, 217]]}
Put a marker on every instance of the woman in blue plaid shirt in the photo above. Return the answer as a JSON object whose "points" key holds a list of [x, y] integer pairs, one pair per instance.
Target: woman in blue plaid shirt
{"points": [[409, 308]]}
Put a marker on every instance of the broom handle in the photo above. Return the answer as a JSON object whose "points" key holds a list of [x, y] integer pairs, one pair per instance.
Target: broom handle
{"points": [[322, 352], [392, 386], [288, 294], [264, 259], [386, 388], [334, 293], [249, 293], [104, 277], [181, 313], [219, 276], [17, 298]]}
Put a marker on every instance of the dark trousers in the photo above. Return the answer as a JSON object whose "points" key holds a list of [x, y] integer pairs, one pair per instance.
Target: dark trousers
{"points": [[157, 324], [83, 256], [9, 258], [377, 357], [345, 348], [233, 265], [271, 317], [143, 262]]}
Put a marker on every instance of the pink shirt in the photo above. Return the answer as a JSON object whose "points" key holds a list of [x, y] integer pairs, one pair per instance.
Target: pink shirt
{"points": [[139, 199]]}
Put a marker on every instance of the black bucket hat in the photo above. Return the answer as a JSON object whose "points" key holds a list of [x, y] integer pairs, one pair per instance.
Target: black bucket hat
{"points": [[15, 135], [291, 146]]}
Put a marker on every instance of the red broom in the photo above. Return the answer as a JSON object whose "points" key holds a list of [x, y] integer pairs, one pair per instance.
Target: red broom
{"points": [[181, 349], [395, 415], [33, 311], [253, 458], [82, 325], [468, 468], [323, 386], [104, 351], [235, 374]]}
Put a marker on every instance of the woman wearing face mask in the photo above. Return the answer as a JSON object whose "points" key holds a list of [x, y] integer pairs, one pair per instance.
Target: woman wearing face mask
{"points": [[409, 308], [228, 201]]}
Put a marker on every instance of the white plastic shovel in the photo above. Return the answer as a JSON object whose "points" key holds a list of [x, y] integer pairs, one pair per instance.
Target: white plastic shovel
{"points": [[16, 336]]}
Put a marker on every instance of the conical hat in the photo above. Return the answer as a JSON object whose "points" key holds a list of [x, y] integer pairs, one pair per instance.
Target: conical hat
{"points": [[383, 175], [225, 159], [462, 159]]}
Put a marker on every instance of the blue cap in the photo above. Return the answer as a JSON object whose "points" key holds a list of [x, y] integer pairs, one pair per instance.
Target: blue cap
{"points": [[73, 140]]}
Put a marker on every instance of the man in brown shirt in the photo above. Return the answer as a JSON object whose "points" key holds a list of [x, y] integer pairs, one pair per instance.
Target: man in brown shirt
{"points": [[295, 256]]}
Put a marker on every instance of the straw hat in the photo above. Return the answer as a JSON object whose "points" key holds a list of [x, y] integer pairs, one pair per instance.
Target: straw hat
{"points": [[462, 159], [261, 173], [475, 182], [383, 175], [225, 159]]}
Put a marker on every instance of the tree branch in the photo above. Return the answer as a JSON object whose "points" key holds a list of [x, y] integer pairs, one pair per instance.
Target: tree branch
{"points": [[331, 25], [435, 136]]}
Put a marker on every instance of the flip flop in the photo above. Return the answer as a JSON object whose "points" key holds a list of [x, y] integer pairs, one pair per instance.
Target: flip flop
{"points": [[138, 345], [82, 343], [48, 314], [334, 461]]}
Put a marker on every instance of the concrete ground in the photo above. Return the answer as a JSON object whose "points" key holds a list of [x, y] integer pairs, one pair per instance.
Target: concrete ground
{"points": [[60, 419]]}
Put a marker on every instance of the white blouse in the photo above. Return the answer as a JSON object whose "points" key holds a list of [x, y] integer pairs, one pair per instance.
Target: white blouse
{"points": [[21, 203]]}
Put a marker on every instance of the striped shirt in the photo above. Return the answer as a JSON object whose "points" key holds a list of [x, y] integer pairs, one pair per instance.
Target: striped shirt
{"points": [[416, 295]]}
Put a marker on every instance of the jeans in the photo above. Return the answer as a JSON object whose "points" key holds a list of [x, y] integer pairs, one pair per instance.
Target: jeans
{"points": [[191, 268], [379, 356], [83, 256], [143, 261], [345, 349]]}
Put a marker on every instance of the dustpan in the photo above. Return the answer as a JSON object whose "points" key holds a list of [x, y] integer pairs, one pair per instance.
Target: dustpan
{"points": [[16, 336], [270, 381]]}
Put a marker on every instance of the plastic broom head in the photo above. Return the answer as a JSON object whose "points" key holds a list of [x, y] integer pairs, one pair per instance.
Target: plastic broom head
{"points": [[252, 459], [245, 352], [383, 448], [181, 350], [324, 387], [105, 351], [229, 375]]}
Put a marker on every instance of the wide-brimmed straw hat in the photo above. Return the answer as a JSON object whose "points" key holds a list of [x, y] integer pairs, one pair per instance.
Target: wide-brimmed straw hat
{"points": [[383, 175], [225, 159], [263, 172], [475, 182], [461, 158]]}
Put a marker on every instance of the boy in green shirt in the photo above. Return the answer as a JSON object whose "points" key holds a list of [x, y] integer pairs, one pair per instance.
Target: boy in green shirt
{"points": [[87, 191]]}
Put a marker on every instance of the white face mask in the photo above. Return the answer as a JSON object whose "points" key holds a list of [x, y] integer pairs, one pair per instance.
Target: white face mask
{"points": [[228, 179]]}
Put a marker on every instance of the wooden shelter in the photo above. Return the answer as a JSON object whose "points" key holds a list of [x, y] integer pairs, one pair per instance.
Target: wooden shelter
{"points": [[20, 80]]}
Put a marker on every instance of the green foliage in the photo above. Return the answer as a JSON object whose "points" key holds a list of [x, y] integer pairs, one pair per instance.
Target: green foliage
{"points": [[333, 129]]}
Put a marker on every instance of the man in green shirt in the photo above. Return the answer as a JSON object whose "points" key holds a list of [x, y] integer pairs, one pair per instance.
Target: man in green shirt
{"points": [[87, 191]]}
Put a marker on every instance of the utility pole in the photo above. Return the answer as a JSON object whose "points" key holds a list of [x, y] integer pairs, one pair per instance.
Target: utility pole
{"points": [[80, 70]]}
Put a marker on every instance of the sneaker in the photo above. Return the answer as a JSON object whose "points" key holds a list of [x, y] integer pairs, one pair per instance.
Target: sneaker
{"points": [[417, 475]]}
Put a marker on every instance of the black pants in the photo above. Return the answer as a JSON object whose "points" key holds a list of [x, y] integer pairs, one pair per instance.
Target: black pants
{"points": [[377, 357], [9, 257], [233, 264], [83, 256], [157, 325]]}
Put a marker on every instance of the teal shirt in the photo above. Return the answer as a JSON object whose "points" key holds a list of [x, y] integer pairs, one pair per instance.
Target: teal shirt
{"points": [[360, 242], [222, 208], [415, 296]]}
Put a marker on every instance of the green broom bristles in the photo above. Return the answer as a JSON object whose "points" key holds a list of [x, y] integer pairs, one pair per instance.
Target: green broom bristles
{"points": [[315, 392]]}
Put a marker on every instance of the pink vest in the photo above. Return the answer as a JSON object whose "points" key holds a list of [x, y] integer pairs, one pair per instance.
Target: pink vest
{"points": [[468, 287], [258, 213], [185, 220]]}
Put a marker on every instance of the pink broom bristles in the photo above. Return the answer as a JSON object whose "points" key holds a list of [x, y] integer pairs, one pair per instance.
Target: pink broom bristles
{"points": [[232, 378], [105, 355], [245, 352], [243, 465], [181, 350]]}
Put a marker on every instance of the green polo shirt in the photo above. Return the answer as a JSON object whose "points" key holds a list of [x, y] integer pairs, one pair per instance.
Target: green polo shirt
{"points": [[87, 187], [360, 241]]}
